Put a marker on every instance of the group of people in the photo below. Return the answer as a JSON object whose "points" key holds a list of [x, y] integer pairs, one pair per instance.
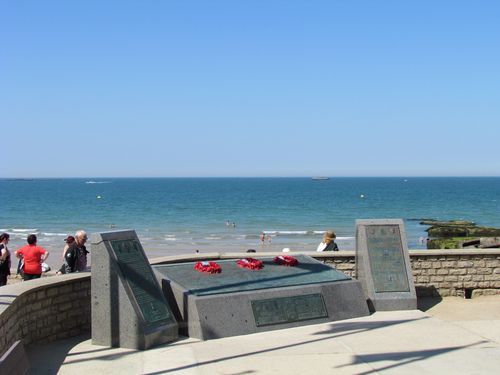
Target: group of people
{"points": [[75, 253], [31, 256]]}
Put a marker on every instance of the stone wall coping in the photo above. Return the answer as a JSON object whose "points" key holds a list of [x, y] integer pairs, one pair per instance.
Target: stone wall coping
{"points": [[458, 252], [233, 255], [10, 291], [314, 254]]}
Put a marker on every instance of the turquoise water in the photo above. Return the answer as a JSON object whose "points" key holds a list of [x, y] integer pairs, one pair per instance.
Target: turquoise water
{"points": [[181, 215]]}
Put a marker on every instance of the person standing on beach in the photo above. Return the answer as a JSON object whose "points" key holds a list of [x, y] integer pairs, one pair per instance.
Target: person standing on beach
{"points": [[33, 256], [262, 237], [328, 243], [75, 259], [4, 259]]}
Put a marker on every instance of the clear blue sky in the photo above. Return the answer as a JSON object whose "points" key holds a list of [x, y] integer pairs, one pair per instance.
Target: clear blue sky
{"points": [[249, 88]]}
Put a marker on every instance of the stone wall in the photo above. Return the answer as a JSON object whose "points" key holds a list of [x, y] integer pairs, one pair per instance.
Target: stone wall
{"points": [[466, 273], [44, 310], [442, 273]]}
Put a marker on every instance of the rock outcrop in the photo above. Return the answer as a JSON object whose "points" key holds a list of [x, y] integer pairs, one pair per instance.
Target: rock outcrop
{"points": [[458, 234]]}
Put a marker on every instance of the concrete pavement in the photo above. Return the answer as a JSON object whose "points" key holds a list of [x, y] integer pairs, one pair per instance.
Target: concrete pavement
{"points": [[451, 336]]}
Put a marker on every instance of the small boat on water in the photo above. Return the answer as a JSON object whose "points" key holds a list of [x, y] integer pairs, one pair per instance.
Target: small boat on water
{"points": [[320, 178], [97, 182]]}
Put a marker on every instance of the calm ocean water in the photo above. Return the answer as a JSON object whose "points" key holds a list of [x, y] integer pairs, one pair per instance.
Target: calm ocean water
{"points": [[181, 215]]}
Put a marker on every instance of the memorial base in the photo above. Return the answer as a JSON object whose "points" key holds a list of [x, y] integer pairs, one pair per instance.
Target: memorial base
{"points": [[215, 316], [392, 303], [256, 301]]}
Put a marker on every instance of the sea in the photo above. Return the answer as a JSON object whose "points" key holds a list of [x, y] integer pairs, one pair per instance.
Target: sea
{"points": [[188, 215]]}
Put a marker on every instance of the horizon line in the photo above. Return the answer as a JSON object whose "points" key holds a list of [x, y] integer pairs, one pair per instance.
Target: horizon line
{"points": [[309, 177]]}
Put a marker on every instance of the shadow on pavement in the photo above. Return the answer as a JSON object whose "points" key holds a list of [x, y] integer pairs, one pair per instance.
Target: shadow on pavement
{"points": [[47, 359], [426, 303], [402, 358]]}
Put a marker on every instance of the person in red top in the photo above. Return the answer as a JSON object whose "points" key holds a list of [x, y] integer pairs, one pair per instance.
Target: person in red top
{"points": [[33, 256]]}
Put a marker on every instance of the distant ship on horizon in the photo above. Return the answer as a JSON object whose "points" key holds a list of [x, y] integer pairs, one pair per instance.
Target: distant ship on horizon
{"points": [[320, 178]]}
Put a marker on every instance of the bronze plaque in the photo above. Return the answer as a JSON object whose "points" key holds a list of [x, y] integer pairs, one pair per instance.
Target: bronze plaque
{"points": [[141, 282], [387, 263], [288, 309]]}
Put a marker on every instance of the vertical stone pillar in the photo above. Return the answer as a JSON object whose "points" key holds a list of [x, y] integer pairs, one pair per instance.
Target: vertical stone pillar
{"points": [[383, 264], [129, 309]]}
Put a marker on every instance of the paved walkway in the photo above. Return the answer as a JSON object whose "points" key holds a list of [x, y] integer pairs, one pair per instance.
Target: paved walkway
{"points": [[452, 336]]}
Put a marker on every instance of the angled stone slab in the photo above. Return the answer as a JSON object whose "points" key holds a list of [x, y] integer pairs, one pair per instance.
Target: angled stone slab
{"points": [[383, 264], [240, 301], [129, 309]]}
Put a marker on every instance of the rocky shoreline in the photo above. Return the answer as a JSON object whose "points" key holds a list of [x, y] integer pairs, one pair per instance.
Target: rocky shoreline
{"points": [[460, 234]]}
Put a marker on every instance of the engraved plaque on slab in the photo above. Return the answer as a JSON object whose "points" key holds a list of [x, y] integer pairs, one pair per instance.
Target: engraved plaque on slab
{"points": [[383, 264], [129, 309], [141, 281], [288, 309]]}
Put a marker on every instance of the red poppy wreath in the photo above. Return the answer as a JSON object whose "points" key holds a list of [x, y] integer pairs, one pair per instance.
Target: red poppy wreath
{"points": [[209, 267], [250, 263], [286, 260]]}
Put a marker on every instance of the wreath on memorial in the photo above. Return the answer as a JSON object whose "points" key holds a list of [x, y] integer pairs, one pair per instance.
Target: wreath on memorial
{"points": [[208, 267], [286, 260], [250, 263]]}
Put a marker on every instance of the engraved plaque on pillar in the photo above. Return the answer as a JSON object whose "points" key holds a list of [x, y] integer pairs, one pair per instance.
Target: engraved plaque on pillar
{"points": [[383, 264], [141, 281], [387, 261]]}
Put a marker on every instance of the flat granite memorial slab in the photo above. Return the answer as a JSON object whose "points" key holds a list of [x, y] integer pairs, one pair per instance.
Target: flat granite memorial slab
{"points": [[240, 301], [236, 279]]}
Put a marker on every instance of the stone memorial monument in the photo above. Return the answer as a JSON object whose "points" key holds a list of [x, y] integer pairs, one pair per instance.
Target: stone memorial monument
{"points": [[129, 309], [383, 264], [240, 301]]}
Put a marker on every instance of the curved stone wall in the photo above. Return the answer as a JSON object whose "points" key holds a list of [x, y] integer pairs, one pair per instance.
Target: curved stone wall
{"points": [[44, 310]]}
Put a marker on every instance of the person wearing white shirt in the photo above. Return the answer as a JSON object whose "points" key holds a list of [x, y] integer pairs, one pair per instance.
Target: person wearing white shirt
{"points": [[328, 243]]}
